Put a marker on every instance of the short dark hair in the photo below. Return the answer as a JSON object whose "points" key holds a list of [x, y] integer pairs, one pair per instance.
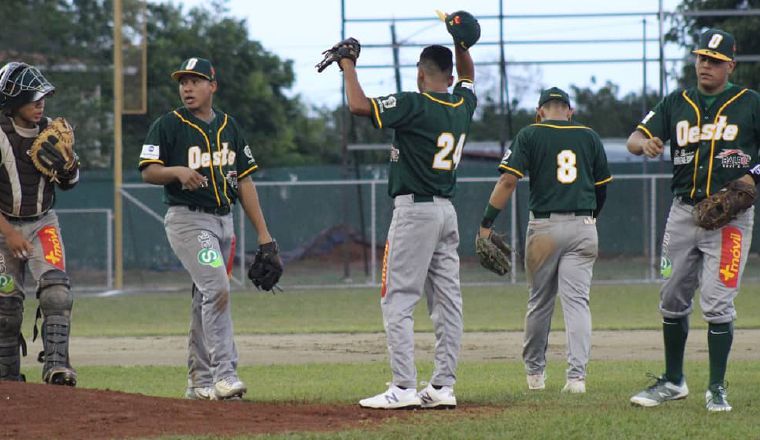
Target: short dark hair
{"points": [[439, 57]]}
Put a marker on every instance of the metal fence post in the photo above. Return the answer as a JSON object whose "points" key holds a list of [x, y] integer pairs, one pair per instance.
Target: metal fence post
{"points": [[373, 229]]}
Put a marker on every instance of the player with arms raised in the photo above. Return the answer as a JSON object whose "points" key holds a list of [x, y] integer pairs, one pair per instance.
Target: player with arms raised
{"points": [[421, 252]]}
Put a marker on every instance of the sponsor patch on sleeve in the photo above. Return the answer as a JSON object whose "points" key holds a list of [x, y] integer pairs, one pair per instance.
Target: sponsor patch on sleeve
{"points": [[150, 152]]}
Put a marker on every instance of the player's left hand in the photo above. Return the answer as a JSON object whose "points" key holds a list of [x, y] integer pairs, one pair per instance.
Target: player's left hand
{"points": [[494, 253], [350, 48]]}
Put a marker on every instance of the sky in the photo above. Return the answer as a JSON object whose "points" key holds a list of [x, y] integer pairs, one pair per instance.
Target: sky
{"points": [[300, 30]]}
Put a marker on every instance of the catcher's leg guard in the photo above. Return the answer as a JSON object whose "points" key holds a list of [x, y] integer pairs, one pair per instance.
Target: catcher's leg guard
{"points": [[56, 302], [11, 316]]}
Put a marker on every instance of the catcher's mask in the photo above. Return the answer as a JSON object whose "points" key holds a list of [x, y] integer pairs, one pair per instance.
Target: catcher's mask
{"points": [[21, 84]]}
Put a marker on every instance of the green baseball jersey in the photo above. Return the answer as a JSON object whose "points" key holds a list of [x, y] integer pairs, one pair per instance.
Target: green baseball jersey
{"points": [[566, 162], [217, 150], [430, 132], [713, 140]]}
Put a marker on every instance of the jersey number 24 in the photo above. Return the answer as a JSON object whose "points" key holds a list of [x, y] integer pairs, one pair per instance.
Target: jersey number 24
{"points": [[444, 159]]}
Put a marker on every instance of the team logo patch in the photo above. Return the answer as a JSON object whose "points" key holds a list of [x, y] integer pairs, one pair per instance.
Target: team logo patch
{"points": [[385, 271], [248, 154], [7, 284], [395, 153], [210, 257], [666, 267], [733, 158], [52, 250], [150, 152], [730, 256], [389, 102], [682, 157]]}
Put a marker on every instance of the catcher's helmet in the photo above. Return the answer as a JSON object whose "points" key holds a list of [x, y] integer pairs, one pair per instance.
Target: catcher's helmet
{"points": [[20, 84]]}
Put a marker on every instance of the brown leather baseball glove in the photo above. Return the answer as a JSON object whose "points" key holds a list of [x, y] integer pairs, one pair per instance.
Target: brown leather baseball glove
{"points": [[53, 151], [723, 206]]}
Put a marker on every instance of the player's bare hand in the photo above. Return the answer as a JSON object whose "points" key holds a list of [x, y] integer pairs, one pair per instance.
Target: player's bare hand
{"points": [[18, 245], [652, 147], [190, 179], [484, 232]]}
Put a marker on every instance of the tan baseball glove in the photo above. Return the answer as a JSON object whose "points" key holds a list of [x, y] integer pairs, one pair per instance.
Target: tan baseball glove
{"points": [[53, 151], [494, 253], [723, 206]]}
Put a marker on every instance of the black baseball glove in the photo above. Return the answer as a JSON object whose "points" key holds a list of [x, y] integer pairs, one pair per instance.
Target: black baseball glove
{"points": [[348, 48], [266, 269], [723, 206]]}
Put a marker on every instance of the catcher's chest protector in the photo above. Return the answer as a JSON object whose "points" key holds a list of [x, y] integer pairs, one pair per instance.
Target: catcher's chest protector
{"points": [[28, 176]]}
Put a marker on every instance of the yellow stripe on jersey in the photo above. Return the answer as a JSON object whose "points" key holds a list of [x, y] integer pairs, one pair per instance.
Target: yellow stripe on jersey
{"points": [[248, 171], [377, 113], [712, 144], [602, 182], [696, 155], [561, 127], [450, 104], [219, 149], [208, 147], [511, 170], [146, 161], [645, 131]]}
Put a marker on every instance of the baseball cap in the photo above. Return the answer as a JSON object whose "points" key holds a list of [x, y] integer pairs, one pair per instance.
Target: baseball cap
{"points": [[196, 66], [552, 94], [718, 44]]}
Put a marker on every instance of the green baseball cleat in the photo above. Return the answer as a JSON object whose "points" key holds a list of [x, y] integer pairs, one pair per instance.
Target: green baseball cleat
{"points": [[661, 391]]}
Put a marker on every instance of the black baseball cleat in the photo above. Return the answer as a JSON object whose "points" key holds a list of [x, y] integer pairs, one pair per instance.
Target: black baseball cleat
{"points": [[61, 376]]}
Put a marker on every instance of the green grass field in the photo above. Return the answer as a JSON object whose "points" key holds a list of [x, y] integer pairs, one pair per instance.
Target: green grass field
{"points": [[603, 413]]}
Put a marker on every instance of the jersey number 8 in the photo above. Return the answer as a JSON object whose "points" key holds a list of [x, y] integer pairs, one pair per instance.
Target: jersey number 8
{"points": [[446, 143], [566, 170]]}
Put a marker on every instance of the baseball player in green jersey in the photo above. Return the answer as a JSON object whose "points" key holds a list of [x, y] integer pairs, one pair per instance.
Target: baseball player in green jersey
{"points": [[200, 156], [714, 133], [568, 173], [430, 129]]}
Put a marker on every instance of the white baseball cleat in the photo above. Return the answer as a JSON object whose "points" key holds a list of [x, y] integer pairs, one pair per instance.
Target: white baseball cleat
{"points": [[536, 381], [200, 393], [229, 388], [442, 398], [394, 398], [715, 399], [574, 386]]}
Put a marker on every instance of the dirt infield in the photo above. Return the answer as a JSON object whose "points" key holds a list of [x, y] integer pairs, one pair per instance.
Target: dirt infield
{"points": [[34, 411]]}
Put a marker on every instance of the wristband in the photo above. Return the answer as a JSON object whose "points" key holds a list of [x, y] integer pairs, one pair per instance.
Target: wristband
{"points": [[489, 215]]}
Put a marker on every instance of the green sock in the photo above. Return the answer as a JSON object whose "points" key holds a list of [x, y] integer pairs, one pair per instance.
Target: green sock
{"points": [[674, 332], [719, 339]]}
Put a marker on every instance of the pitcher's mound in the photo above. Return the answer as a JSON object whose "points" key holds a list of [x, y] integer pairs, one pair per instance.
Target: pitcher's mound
{"points": [[37, 411]]}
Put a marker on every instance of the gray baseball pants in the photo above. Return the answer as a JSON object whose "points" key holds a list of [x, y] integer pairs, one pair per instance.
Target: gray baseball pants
{"points": [[560, 252], [695, 257], [204, 244], [421, 257]]}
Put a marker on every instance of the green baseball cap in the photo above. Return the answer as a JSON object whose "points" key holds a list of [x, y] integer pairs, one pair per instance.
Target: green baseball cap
{"points": [[196, 66], [718, 44], [554, 93]]}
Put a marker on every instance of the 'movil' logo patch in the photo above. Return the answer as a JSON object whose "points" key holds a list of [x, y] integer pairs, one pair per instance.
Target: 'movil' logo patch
{"points": [[52, 250], [210, 257], [730, 256]]}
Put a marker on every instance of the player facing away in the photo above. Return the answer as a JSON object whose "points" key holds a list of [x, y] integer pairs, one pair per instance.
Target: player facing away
{"points": [[714, 133], [568, 173], [430, 129], [198, 153], [29, 232]]}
